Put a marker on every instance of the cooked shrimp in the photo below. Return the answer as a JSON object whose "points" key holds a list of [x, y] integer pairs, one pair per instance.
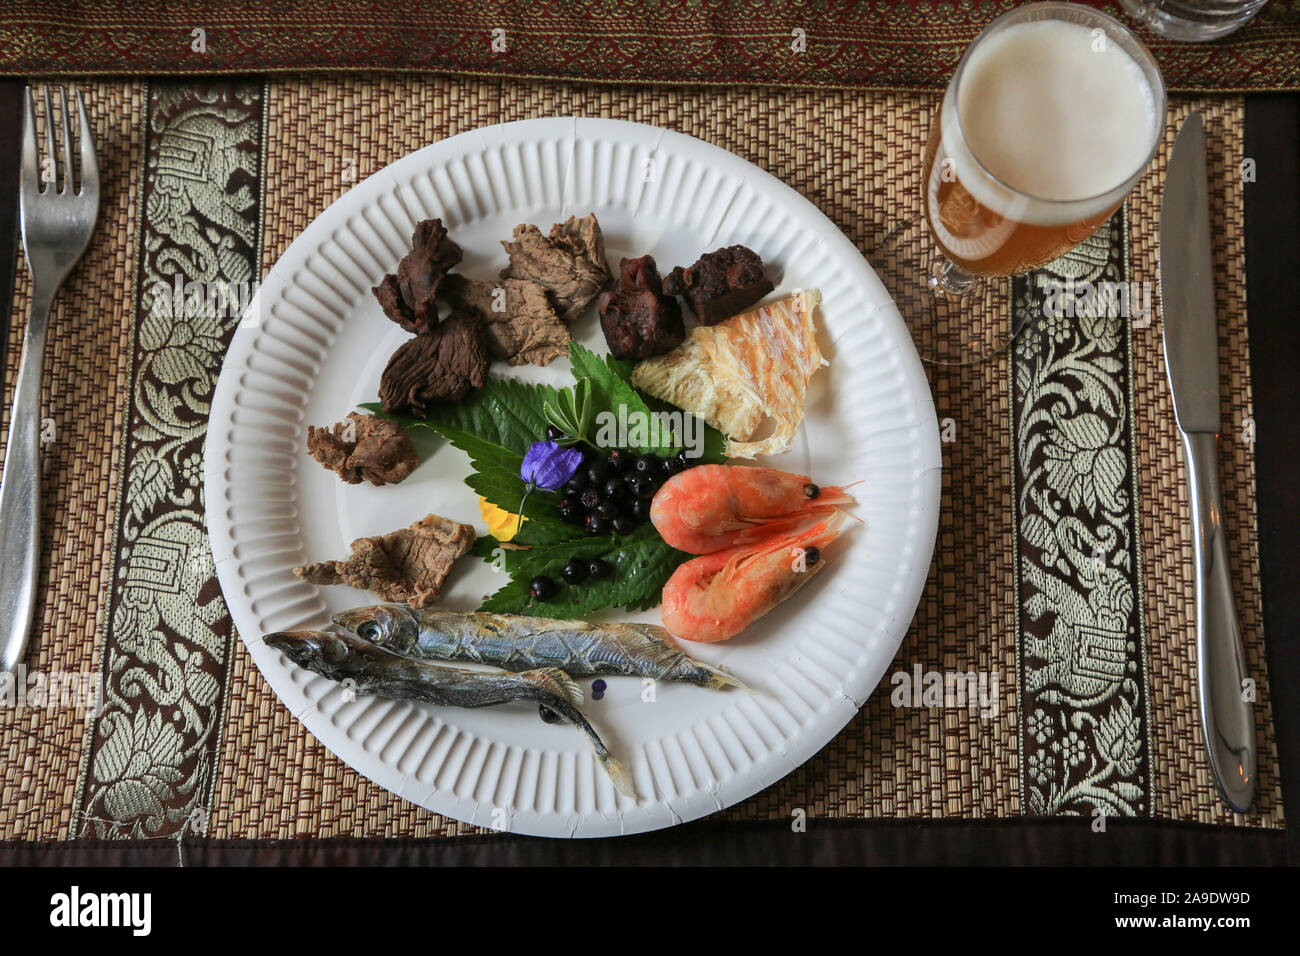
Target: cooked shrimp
{"points": [[710, 508], [716, 596]]}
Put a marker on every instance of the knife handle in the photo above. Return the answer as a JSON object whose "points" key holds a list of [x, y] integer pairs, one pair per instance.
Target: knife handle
{"points": [[1226, 717]]}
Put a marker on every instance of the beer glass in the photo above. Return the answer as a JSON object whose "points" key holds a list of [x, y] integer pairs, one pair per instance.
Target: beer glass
{"points": [[1050, 120]]}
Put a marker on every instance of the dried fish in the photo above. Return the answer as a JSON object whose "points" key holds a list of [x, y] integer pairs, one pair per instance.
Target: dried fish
{"points": [[383, 673], [518, 642]]}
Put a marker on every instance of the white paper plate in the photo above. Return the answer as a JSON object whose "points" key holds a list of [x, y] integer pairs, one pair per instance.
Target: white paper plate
{"points": [[313, 344]]}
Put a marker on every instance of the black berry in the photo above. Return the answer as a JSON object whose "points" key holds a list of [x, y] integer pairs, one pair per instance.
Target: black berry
{"points": [[600, 569], [554, 434], [596, 525], [541, 588], [624, 525], [575, 570]]}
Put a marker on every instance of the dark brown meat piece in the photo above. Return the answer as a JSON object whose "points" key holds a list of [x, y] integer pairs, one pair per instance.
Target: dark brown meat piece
{"points": [[410, 297], [364, 446], [570, 263], [408, 565], [441, 366], [518, 321], [721, 284], [638, 319]]}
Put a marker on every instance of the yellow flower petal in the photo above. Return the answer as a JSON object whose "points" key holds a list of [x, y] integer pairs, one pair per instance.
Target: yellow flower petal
{"points": [[502, 524]]}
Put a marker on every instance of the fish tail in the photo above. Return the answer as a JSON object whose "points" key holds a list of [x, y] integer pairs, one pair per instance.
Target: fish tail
{"points": [[679, 664], [717, 678], [619, 775]]}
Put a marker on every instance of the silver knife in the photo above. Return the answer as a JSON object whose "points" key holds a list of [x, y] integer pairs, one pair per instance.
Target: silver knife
{"points": [[1192, 355]]}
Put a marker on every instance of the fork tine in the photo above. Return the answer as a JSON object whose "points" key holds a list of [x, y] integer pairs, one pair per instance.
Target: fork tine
{"points": [[52, 154], [65, 107], [31, 175], [89, 164]]}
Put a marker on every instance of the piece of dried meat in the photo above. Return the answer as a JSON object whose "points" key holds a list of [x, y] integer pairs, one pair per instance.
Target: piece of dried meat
{"points": [[441, 366], [409, 298], [407, 565], [638, 319], [570, 263], [364, 446], [720, 284], [518, 320]]}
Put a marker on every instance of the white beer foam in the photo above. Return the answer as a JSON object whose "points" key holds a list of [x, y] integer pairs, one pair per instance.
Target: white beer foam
{"points": [[1056, 111]]}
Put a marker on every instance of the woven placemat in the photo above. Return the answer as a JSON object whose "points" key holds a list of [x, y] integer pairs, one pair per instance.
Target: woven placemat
{"points": [[856, 156]]}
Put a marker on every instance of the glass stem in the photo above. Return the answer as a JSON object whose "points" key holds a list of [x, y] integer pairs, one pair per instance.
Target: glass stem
{"points": [[948, 278]]}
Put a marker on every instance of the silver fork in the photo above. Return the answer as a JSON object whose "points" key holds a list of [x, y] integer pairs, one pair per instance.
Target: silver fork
{"points": [[56, 225]]}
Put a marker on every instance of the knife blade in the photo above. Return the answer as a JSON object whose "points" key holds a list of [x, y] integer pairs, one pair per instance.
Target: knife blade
{"points": [[1192, 357]]}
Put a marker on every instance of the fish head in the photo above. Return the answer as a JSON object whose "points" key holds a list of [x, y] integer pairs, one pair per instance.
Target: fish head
{"points": [[306, 648], [392, 626]]}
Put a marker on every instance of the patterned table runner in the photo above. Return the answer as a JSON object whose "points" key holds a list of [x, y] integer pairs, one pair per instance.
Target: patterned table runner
{"points": [[898, 45], [1062, 581]]}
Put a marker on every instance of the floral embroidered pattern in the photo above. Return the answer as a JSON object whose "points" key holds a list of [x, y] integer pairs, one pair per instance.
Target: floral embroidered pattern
{"points": [[1085, 739], [168, 637]]}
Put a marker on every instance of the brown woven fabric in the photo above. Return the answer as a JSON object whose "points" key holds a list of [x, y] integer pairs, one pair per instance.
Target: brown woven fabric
{"points": [[824, 44], [85, 394], [856, 156]]}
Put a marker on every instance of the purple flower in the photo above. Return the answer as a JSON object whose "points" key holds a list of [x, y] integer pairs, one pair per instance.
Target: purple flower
{"points": [[548, 466]]}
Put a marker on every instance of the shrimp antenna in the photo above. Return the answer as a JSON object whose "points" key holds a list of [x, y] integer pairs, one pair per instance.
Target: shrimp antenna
{"points": [[850, 514]]}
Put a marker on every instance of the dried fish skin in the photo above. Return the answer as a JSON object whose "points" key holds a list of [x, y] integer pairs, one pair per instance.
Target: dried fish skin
{"points": [[744, 372], [377, 671], [518, 642]]}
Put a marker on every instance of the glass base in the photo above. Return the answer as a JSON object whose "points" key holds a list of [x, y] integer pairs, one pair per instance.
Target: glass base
{"points": [[1193, 22], [954, 318]]}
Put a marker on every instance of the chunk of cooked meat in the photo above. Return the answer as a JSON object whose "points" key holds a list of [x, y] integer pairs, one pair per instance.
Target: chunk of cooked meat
{"points": [[638, 319], [364, 446], [570, 263], [519, 323], [441, 366], [721, 284], [410, 297], [407, 565]]}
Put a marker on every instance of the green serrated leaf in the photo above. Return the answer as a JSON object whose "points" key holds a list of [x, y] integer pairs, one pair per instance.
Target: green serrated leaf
{"points": [[613, 393], [642, 564]]}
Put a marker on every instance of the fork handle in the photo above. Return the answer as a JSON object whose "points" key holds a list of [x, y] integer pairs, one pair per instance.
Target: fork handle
{"points": [[20, 500]]}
